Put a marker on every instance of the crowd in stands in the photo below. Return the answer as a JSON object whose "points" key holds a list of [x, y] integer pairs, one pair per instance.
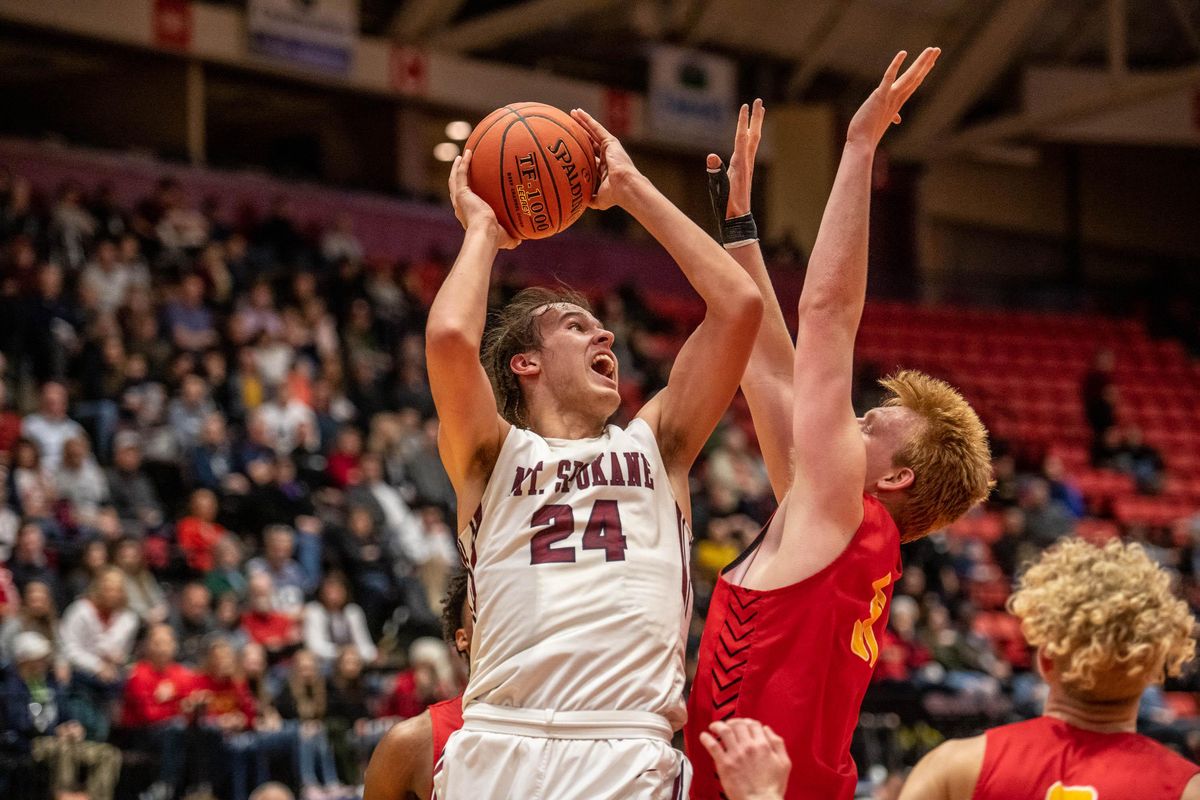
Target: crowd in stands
{"points": [[226, 533]]}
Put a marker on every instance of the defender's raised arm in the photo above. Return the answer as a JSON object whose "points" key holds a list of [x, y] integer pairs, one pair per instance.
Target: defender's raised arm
{"points": [[830, 451]]}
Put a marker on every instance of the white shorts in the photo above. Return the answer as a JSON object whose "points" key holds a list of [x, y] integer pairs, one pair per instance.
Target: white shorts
{"points": [[533, 755]]}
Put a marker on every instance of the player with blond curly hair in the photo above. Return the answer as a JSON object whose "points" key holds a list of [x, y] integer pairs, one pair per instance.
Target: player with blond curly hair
{"points": [[1106, 625]]}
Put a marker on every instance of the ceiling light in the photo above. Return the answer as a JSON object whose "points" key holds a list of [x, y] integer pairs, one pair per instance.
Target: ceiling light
{"points": [[446, 151], [458, 130]]}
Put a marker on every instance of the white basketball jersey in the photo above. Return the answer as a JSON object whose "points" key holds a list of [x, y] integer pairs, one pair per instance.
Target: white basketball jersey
{"points": [[579, 587]]}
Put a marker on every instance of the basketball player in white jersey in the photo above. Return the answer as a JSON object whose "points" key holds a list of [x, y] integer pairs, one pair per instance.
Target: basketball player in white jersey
{"points": [[575, 532]]}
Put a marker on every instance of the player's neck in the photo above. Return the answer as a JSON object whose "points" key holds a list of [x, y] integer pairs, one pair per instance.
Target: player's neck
{"points": [[553, 422], [1115, 717]]}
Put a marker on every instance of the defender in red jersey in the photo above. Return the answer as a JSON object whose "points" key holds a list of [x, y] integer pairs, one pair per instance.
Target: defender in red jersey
{"points": [[793, 627], [402, 766], [1106, 625]]}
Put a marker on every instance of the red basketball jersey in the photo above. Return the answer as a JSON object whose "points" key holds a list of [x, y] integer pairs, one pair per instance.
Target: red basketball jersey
{"points": [[1047, 758], [446, 717], [799, 659]]}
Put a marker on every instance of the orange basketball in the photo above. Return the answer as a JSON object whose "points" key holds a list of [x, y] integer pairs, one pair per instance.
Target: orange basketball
{"points": [[535, 166]]}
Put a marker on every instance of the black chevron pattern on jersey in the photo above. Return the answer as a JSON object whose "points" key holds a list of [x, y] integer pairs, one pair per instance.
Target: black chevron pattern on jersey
{"points": [[730, 656]]}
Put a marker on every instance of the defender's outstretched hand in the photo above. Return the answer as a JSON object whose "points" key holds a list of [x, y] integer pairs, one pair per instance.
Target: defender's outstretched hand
{"points": [[741, 164], [615, 167], [882, 108], [751, 759], [470, 209]]}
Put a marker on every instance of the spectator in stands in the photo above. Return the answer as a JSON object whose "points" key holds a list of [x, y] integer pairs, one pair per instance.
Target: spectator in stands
{"points": [[32, 485], [187, 412], [227, 621], [1013, 548], [97, 637], [1145, 462], [101, 381], [344, 459], [257, 314], [29, 562], [291, 582], [346, 711], [1046, 519], [36, 614], [158, 697], [50, 428], [1062, 488], [35, 723], [366, 561], [199, 532], [10, 422], [387, 506], [424, 469], [227, 576], [332, 622], [229, 709], [339, 241], [291, 422], [10, 523], [146, 598], [1099, 394], [53, 326], [428, 679], [189, 322], [193, 623], [733, 467], [106, 279], [71, 227], [211, 460], [81, 483], [303, 699], [93, 559], [133, 493], [276, 631]]}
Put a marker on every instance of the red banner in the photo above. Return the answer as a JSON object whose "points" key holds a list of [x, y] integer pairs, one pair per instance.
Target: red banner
{"points": [[173, 24]]}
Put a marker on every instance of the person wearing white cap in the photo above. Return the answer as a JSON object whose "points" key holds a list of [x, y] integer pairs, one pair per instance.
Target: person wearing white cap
{"points": [[34, 722]]}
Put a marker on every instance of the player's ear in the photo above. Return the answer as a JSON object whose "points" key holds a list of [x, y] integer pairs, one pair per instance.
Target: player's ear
{"points": [[527, 364], [462, 642], [896, 480]]}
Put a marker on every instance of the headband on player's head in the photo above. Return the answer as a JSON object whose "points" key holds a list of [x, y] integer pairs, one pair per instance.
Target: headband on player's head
{"points": [[736, 232]]}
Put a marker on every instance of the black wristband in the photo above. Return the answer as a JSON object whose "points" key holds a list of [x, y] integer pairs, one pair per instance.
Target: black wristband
{"points": [[732, 232], [739, 231]]}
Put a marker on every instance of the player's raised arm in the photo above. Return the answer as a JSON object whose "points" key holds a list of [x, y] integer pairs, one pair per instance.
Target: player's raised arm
{"points": [[710, 364], [830, 452], [767, 381], [471, 429]]}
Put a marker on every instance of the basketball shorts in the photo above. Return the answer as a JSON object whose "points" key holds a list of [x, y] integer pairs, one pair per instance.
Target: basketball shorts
{"points": [[503, 753]]}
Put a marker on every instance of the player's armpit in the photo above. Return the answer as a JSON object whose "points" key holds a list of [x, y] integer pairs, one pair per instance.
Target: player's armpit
{"points": [[948, 772], [402, 764]]}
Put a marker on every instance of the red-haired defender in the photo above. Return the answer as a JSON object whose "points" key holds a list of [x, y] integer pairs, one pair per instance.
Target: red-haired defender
{"points": [[792, 632]]}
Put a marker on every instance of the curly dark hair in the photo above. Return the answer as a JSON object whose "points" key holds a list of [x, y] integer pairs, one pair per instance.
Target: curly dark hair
{"points": [[454, 605], [514, 330]]}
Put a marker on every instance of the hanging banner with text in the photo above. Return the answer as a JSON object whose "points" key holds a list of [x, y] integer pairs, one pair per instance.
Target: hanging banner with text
{"points": [[693, 96], [313, 34]]}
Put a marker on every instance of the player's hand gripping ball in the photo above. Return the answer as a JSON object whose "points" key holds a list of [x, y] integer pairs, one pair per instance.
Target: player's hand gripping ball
{"points": [[535, 166]]}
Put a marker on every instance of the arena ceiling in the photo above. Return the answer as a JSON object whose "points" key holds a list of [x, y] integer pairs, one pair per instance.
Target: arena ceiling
{"points": [[831, 50]]}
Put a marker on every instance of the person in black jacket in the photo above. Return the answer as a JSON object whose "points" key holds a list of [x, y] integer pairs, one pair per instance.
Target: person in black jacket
{"points": [[35, 723]]}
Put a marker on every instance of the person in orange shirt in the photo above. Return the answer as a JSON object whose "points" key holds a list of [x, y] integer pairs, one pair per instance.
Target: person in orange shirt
{"points": [[199, 532]]}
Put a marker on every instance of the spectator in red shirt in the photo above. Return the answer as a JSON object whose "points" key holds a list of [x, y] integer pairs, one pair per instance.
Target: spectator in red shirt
{"points": [[429, 679], [227, 707], [274, 630], [199, 532], [10, 425], [158, 695], [343, 467]]}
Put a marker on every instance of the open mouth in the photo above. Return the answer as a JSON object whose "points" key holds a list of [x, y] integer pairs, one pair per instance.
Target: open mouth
{"points": [[605, 365]]}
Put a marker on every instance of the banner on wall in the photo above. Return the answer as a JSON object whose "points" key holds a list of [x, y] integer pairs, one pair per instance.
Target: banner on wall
{"points": [[693, 96], [314, 34], [173, 24]]}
